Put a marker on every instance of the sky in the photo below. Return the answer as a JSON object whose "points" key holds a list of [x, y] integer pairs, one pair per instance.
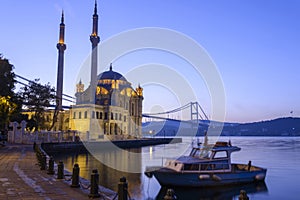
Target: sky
{"points": [[253, 44]]}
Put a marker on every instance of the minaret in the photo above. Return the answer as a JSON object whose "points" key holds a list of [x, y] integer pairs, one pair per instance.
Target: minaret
{"points": [[61, 46], [94, 38]]}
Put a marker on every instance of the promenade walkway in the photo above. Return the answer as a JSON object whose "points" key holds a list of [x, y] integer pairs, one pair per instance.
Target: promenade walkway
{"points": [[22, 179]]}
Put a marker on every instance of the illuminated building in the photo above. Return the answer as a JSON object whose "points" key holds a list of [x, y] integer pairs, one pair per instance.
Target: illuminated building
{"points": [[110, 106]]}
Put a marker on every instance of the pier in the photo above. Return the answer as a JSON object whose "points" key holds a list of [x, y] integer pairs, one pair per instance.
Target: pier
{"points": [[21, 177], [79, 147]]}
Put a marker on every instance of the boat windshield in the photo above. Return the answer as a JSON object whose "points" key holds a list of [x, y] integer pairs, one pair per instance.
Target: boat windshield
{"points": [[201, 153]]}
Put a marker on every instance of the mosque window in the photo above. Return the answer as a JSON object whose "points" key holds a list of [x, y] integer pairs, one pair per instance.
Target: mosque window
{"points": [[74, 115], [124, 118], [116, 116], [85, 114], [79, 115], [93, 114], [120, 116], [132, 109], [111, 115], [100, 115], [97, 115], [105, 116]]}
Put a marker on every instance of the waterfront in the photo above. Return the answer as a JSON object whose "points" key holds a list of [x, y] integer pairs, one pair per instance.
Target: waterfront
{"points": [[280, 155]]}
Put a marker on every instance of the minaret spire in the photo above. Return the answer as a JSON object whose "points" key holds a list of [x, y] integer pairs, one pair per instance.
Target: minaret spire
{"points": [[95, 21], [61, 47], [94, 38], [62, 16], [95, 8], [62, 29]]}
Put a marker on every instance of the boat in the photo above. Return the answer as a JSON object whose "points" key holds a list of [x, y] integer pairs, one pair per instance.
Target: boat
{"points": [[206, 165]]}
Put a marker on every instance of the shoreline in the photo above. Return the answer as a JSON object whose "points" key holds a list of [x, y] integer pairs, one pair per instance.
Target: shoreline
{"points": [[80, 147]]}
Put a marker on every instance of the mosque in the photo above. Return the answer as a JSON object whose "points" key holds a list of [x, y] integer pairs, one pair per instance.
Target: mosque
{"points": [[109, 107]]}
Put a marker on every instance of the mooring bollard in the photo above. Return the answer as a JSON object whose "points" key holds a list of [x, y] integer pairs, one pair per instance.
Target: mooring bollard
{"points": [[75, 176], [170, 195], [60, 170], [94, 184], [122, 189], [34, 146], [243, 195], [43, 162], [51, 166]]}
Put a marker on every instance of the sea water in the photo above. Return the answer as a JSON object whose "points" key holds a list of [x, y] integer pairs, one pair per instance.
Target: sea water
{"points": [[280, 155]]}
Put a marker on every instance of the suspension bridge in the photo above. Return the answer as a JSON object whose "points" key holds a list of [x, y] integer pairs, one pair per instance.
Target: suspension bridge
{"points": [[196, 113]]}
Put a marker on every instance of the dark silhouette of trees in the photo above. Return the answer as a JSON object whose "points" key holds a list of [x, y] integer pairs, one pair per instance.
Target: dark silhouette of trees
{"points": [[37, 98], [10, 104]]}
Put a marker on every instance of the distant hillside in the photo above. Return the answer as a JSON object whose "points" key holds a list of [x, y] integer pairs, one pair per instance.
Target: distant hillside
{"points": [[276, 127]]}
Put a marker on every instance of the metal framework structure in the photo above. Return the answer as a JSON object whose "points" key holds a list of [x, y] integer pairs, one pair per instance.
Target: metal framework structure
{"points": [[196, 112]]}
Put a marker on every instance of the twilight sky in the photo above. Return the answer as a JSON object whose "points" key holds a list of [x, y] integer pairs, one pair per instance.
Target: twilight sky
{"points": [[254, 44]]}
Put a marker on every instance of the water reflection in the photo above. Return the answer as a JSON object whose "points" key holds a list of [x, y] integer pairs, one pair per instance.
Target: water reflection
{"points": [[138, 184], [109, 177], [216, 193], [280, 155]]}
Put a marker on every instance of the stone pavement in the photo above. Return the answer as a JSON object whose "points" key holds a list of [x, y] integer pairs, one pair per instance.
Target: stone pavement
{"points": [[21, 177]]}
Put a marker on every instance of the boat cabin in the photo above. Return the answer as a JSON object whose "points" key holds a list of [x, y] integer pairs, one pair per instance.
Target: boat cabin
{"points": [[206, 158]]}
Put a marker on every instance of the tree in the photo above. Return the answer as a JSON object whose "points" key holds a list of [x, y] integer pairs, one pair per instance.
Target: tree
{"points": [[7, 78], [37, 98], [9, 104]]}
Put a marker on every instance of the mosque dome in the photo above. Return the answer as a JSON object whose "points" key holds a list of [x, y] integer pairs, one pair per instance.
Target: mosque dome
{"points": [[111, 75], [110, 80]]}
